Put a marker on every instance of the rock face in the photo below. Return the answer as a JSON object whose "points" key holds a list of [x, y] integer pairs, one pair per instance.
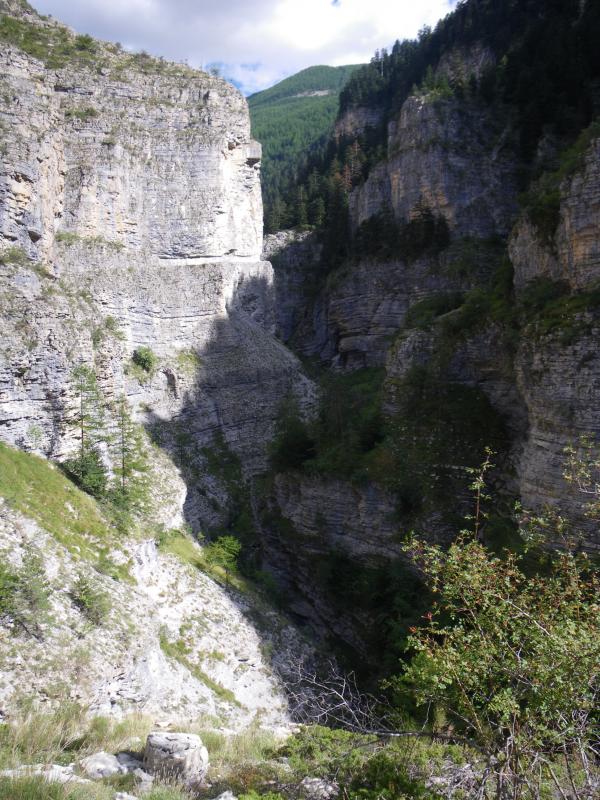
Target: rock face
{"points": [[158, 160], [451, 156], [175, 646], [130, 216], [176, 755], [101, 765], [458, 158]]}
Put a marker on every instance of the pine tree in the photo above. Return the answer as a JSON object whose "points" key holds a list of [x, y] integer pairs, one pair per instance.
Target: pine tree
{"points": [[88, 469], [130, 462]]}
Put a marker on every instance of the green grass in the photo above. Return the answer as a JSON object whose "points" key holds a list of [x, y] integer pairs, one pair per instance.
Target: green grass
{"points": [[39, 789], [69, 238], [36, 788], [55, 46], [180, 544], [65, 735], [14, 255], [40, 491]]}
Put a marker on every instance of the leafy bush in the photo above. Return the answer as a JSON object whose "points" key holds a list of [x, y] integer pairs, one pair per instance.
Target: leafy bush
{"points": [[83, 113], [88, 471], [224, 553], [146, 359], [383, 237], [511, 658], [349, 424], [422, 314], [385, 777], [323, 752], [292, 445], [14, 255]]}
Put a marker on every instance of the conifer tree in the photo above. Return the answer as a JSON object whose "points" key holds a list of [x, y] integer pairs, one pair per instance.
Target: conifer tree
{"points": [[129, 457], [88, 469]]}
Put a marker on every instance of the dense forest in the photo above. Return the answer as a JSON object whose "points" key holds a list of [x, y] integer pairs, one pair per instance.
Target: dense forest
{"points": [[291, 119]]}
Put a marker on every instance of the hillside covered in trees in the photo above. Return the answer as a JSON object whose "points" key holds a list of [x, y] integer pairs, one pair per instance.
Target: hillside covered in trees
{"points": [[290, 120], [541, 74]]}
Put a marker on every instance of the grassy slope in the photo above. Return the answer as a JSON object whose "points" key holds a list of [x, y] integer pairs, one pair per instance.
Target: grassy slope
{"points": [[37, 489]]}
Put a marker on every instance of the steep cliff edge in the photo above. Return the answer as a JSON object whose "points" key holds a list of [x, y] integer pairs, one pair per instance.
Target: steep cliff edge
{"points": [[131, 193], [131, 221]]}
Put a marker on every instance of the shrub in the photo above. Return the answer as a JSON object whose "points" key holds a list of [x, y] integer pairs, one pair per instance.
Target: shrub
{"points": [[146, 359], [93, 603], [292, 445], [24, 595], [88, 472], [382, 237], [422, 314], [512, 659], [83, 113], [224, 553], [385, 777]]}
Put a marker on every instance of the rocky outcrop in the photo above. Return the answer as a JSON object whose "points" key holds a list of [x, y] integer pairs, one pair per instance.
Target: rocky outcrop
{"points": [[174, 645], [295, 257], [355, 121], [572, 254], [156, 158], [131, 217], [449, 155]]}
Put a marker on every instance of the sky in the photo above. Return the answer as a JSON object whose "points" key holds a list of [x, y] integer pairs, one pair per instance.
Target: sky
{"points": [[255, 43]]}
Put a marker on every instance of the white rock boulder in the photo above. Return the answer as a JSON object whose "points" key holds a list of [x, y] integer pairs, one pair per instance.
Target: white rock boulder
{"points": [[179, 755], [101, 765]]}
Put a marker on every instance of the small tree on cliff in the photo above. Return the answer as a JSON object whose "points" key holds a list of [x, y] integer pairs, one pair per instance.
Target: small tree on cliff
{"points": [[88, 469], [224, 553], [130, 462]]}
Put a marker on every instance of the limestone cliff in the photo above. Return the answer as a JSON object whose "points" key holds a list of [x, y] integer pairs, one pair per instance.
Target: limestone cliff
{"points": [[131, 217], [130, 193]]}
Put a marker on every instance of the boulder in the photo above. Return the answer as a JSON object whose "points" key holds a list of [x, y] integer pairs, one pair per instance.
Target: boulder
{"points": [[318, 789], [179, 755], [101, 765], [53, 773]]}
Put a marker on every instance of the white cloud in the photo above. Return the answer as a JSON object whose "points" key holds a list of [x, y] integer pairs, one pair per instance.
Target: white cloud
{"points": [[257, 42]]}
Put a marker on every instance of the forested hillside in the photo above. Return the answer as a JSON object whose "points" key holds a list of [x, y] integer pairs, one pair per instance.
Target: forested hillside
{"points": [[539, 68], [290, 119]]}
